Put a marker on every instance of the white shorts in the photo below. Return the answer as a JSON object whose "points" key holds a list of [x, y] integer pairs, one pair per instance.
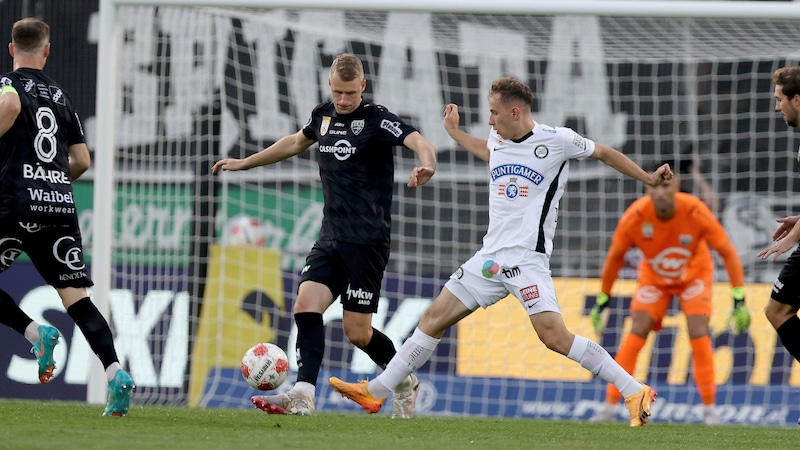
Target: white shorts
{"points": [[485, 279]]}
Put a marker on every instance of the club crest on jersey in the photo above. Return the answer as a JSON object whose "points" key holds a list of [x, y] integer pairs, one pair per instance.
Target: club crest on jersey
{"points": [[647, 230], [685, 239], [512, 190], [540, 151], [326, 123], [357, 126]]}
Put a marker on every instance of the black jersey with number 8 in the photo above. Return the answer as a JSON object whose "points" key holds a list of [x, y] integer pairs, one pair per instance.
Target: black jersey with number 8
{"points": [[35, 185]]}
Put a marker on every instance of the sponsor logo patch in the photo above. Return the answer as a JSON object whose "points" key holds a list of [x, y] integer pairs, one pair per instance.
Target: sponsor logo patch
{"points": [[529, 293], [579, 141], [391, 127], [326, 123], [519, 171]]}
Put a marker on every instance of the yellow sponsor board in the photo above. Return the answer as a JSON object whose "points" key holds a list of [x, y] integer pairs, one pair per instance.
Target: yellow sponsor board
{"points": [[500, 342], [227, 328]]}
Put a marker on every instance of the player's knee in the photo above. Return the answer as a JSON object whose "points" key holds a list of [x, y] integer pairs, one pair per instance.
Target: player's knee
{"points": [[557, 339], [778, 313], [358, 336]]}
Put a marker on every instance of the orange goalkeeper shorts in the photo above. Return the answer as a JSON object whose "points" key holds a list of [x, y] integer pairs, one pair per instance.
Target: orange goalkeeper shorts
{"points": [[655, 299]]}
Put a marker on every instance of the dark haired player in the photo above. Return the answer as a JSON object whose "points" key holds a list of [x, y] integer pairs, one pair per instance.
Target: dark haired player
{"points": [[784, 302]]}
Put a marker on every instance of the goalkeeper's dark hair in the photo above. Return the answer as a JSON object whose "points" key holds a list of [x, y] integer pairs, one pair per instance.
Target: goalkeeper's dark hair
{"points": [[676, 166], [788, 78], [512, 91]]}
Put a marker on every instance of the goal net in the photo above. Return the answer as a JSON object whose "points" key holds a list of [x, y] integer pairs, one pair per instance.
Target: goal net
{"points": [[197, 268]]}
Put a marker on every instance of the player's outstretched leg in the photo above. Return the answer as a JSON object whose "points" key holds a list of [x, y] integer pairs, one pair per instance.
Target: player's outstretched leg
{"points": [[638, 405], [358, 393], [43, 349], [119, 394]]}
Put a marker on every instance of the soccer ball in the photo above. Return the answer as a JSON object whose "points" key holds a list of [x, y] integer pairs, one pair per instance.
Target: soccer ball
{"points": [[265, 366], [244, 231]]}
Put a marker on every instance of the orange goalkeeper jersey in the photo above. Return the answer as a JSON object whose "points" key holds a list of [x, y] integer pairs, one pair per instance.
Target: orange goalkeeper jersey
{"points": [[675, 251]]}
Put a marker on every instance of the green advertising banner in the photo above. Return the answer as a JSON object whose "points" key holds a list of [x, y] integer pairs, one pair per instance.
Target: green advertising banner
{"points": [[154, 222]]}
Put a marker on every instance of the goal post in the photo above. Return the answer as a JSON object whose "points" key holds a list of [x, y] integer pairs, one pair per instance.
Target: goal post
{"points": [[182, 84]]}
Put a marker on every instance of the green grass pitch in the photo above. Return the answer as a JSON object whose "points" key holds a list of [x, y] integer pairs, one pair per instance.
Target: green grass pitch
{"points": [[26, 424]]}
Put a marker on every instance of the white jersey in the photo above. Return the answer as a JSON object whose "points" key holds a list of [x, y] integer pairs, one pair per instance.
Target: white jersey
{"points": [[527, 181]]}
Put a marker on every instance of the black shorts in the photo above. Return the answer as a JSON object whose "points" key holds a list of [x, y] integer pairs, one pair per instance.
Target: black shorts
{"points": [[55, 250], [352, 272], [786, 289]]}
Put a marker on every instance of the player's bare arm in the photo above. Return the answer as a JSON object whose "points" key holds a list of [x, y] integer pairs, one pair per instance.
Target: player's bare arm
{"points": [[426, 153], [283, 148], [473, 144], [786, 237], [10, 107], [79, 160], [616, 159]]}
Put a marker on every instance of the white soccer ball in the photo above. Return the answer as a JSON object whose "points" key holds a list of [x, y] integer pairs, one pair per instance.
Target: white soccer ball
{"points": [[265, 366], [244, 231]]}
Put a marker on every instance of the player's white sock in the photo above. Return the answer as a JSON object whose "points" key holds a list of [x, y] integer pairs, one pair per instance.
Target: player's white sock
{"points": [[414, 353], [594, 358], [32, 332], [111, 371], [305, 388]]}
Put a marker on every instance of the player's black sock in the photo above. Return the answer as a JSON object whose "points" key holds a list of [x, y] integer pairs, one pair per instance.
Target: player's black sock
{"points": [[310, 346], [380, 348], [95, 329], [11, 315], [789, 333]]}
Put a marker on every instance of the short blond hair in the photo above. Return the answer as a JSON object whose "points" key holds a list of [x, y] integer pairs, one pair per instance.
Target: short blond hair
{"points": [[348, 67]]}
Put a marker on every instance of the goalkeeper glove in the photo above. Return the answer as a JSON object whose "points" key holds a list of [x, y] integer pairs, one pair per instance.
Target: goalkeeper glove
{"points": [[600, 313], [739, 318]]}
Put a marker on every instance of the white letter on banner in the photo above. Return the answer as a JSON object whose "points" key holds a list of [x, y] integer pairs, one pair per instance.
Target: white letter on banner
{"points": [[191, 58], [78, 364], [133, 330], [308, 82], [264, 32], [138, 78], [495, 57], [412, 88], [576, 43], [173, 365]]}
